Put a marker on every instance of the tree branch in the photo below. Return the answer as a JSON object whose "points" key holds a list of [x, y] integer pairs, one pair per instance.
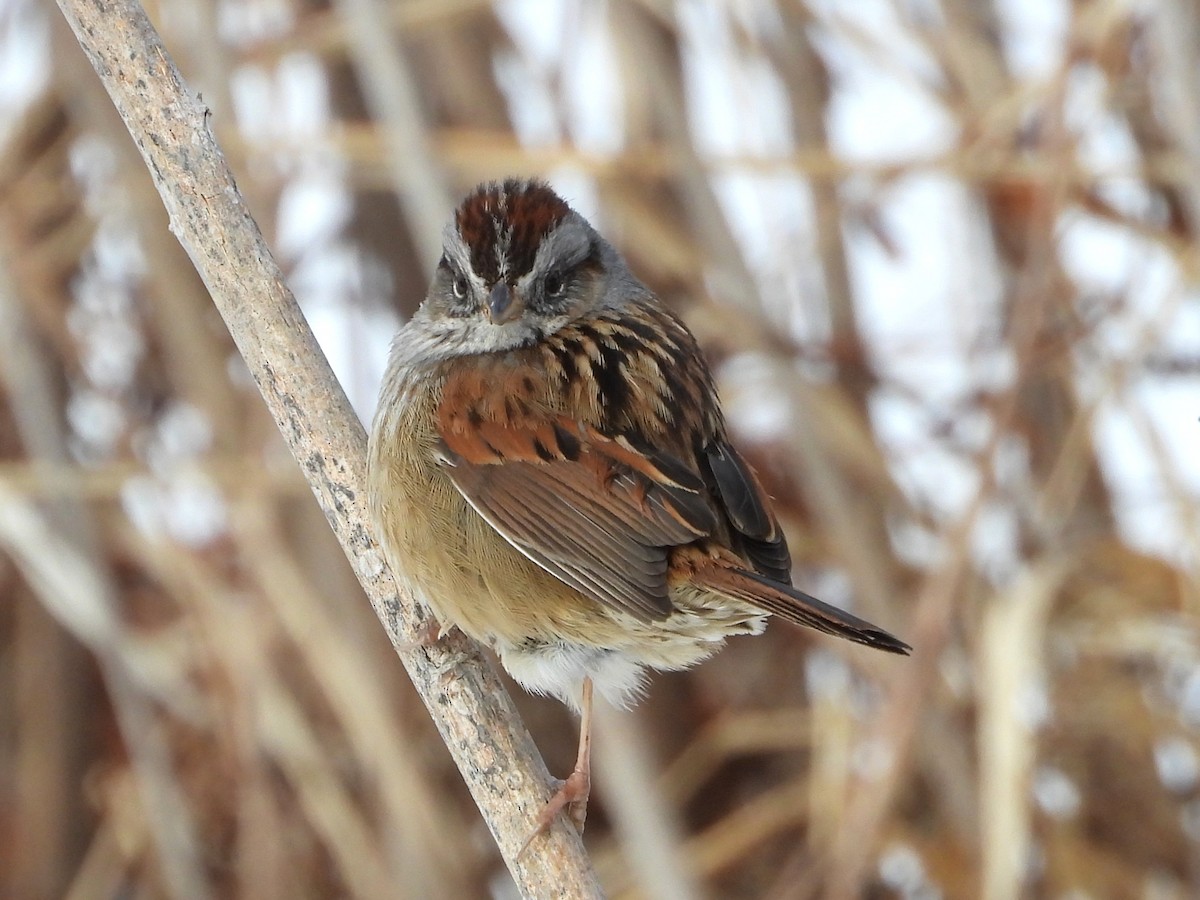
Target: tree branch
{"points": [[474, 714]]}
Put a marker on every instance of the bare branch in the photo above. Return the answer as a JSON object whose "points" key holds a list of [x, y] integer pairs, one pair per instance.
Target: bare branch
{"points": [[476, 718]]}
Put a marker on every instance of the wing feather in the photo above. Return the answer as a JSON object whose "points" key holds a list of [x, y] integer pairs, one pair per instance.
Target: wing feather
{"points": [[600, 501], [595, 513], [746, 505]]}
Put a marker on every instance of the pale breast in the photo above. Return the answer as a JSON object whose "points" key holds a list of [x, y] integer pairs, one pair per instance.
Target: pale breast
{"points": [[470, 575]]}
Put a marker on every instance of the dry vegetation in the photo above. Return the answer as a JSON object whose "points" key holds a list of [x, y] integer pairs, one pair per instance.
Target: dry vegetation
{"points": [[195, 697]]}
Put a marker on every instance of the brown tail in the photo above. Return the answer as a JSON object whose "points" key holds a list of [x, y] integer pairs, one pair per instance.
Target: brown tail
{"points": [[796, 606]]}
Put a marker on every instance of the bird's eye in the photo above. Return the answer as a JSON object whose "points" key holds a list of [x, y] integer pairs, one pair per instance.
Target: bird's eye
{"points": [[460, 286], [555, 284]]}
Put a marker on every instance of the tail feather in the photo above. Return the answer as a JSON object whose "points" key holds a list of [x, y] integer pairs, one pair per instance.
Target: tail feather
{"points": [[796, 606]]}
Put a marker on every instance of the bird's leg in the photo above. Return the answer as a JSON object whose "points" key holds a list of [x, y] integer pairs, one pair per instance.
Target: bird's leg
{"points": [[578, 785], [572, 795]]}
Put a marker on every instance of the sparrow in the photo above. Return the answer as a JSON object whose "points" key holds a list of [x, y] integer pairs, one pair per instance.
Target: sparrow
{"points": [[550, 466]]}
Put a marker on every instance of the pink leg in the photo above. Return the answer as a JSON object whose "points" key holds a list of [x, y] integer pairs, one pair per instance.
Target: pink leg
{"points": [[573, 795]]}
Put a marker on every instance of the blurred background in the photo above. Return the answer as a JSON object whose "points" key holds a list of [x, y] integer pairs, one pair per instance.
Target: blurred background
{"points": [[943, 257]]}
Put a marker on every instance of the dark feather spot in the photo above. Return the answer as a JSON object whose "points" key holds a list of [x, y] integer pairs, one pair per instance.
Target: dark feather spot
{"points": [[571, 347], [627, 343], [568, 444], [644, 330], [610, 380], [565, 353], [514, 407], [543, 454]]}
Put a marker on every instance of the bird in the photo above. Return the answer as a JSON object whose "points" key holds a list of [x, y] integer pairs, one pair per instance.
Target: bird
{"points": [[549, 465]]}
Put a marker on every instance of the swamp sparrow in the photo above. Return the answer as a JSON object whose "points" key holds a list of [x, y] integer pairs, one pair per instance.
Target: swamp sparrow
{"points": [[550, 466]]}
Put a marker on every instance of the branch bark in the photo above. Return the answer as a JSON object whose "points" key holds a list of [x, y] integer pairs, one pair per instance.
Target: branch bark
{"points": [[474, 714]]}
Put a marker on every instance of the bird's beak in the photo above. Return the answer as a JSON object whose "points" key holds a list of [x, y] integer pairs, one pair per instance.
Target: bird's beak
{"points": [[504, 305]]}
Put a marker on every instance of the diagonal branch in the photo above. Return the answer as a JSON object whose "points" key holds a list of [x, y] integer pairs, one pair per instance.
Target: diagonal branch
{"points": [[474, 714]]}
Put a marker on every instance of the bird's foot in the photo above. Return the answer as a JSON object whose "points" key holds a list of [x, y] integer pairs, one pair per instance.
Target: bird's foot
{"points": [[571, 797], [428, 633]]}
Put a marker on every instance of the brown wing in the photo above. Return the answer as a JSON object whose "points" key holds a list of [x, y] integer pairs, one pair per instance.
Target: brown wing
{"points": [[590, 509], [601, 497]]}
